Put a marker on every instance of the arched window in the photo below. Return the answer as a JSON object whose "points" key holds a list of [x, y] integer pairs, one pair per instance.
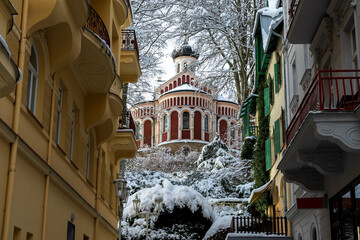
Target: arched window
{"points": [[178, 68], [32, 80], [313, 233], [138, 129], [185, 65], [206, 124], [186, 120], [165, 125]]}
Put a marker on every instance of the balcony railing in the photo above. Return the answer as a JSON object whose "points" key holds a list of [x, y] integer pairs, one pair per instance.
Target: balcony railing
{"points": [[267, 225], [330, 90], [127, 122], [96, 25], [292, 9], [129, 41]]}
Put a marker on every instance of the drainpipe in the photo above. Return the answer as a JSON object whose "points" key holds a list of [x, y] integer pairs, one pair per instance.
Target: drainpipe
{"points": [[97, 197], [48, 158], [15, 127]]}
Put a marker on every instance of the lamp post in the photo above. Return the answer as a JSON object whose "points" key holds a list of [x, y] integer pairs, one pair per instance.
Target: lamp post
{"points": [[147, 214], [122, 193]]}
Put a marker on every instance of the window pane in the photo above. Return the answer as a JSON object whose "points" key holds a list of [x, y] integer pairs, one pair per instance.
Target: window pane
{"points": [[357, 196], [186, 120]]}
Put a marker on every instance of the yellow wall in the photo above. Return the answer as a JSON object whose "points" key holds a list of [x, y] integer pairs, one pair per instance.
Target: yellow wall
{"points": [[41, 185]]}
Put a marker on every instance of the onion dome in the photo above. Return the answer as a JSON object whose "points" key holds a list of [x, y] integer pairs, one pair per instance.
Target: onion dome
{"points": [[184, 50]]}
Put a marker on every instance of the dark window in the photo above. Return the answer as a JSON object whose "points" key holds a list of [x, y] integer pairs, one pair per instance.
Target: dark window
{"points": [[71, 231], [345, 212], [186, 120], [206, 123], [32, 80]]}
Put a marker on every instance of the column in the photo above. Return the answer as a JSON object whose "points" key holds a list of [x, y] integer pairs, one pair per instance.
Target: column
{"points": [[179, 126], [192, 126]]}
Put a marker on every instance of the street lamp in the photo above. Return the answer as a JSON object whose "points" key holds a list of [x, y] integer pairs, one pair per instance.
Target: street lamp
{"points": [[147, 214], [122, 193]]}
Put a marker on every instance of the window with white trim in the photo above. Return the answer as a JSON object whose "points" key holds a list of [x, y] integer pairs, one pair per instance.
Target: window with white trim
{"points": [[32, 80]]}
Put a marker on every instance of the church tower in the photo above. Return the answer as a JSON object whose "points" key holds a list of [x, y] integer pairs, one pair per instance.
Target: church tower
{"points": [[184, 58]]}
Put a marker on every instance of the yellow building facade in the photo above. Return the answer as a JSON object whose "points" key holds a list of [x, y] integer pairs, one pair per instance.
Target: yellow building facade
{"points": [[63, 66]]}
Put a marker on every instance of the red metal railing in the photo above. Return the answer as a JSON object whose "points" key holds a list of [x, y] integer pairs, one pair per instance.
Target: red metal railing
{"points": [[330, 90], [292, 9], [129, 41], [267, 225], [96, 25]]}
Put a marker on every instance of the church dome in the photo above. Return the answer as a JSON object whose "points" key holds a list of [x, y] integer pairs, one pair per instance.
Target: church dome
{"points": [[184, 50]]}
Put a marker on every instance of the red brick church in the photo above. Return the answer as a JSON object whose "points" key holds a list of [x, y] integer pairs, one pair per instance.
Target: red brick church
{"points": [[185, 114]]}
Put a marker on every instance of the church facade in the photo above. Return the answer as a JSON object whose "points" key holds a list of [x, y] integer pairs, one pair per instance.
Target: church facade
{"points": [[184, 114]]}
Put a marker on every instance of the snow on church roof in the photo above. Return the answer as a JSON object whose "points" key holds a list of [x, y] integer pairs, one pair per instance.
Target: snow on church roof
{"points": [[223, 99], [185, 87]]}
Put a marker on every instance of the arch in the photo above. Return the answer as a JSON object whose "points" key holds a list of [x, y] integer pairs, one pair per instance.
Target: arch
{"points": [[170, 86], [186, 100], [162, 91], [166, 89], [174, 83], [182, 100], [147, 132], [183, 79], [174, 130], [223, 128], [197, 125], [197, 101], [179, 81], [187, 79]]}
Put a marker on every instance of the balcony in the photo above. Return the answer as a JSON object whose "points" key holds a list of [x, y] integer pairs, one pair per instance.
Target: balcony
{"points": [[9, 72], [259, 228], [336, 90], [95, 66], [129, 60], [124, 144], [97, 26], [304, 19], [324, 130]]}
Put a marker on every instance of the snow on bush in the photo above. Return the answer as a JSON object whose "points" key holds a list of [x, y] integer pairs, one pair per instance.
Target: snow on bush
{"points": [[222, 223], [173, 195]]}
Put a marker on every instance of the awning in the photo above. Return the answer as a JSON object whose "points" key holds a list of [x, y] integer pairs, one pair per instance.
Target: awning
{"points": [[257, 192]]}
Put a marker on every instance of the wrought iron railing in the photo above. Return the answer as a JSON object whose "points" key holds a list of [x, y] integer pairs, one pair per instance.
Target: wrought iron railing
{"points": [[127, 122], [266, 225], [330, 90], [96, 25], [129, 41]]}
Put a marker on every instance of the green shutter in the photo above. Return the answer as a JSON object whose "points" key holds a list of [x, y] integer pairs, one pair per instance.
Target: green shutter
{"points": [[276, 69], [268, 154], [277, 136], [266, 101]]}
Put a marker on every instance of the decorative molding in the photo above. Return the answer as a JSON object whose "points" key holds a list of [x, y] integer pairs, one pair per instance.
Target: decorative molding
{"points": [[326, 161], [306, 79], [345, 133], [294, 103], [307, 177]]}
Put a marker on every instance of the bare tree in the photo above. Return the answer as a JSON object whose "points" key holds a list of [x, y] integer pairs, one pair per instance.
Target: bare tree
{"points": [[221, 31]]}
